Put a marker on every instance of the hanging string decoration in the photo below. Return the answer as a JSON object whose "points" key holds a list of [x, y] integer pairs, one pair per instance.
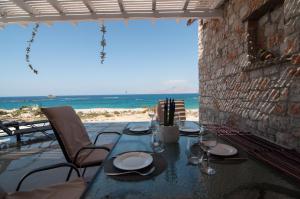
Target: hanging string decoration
{"points": [[103, 43], [28, 49]]}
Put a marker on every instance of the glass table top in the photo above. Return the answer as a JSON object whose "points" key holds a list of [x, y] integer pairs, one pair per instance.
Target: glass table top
{"points": [[246, 179]]}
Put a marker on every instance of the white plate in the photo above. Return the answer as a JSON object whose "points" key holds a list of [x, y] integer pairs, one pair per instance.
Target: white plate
{"points": [[223, 150], [189, 130], [133, 160], [138, 128]]}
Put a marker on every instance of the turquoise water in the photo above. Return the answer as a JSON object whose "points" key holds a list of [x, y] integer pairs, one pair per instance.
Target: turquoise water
{"points": [[97, 101]]}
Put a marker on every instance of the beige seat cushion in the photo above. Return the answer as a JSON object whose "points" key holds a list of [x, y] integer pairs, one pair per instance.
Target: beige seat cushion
{"points": [[69, 190], [92, 157], [2, 193]]}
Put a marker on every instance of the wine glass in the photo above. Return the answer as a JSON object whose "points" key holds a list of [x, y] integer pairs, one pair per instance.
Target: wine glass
{"points": [[151, 114], [202, 129], [207, 145], [156, 142], [193, 152]]}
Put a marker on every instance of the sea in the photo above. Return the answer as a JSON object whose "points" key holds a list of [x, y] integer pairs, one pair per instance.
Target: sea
{"points": [[98, 101]]}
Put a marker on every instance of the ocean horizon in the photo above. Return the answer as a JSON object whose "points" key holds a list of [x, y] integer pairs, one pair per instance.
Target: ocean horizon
{"points": [[98, 101]]}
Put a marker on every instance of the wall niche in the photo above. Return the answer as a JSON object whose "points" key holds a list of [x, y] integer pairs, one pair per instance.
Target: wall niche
{"points": [[270, 31], [265, 41]]}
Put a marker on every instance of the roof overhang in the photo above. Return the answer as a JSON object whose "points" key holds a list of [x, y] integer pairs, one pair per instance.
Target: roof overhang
{"points": [[49, 11]]}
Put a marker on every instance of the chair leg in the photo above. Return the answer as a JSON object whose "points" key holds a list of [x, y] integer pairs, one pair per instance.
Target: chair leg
{"points": [[69, 174], [46, 134], [18, 136], [83, 171]]}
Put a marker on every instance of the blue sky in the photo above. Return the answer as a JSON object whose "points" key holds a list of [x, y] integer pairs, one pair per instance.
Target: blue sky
{"points": [[142, 57]]}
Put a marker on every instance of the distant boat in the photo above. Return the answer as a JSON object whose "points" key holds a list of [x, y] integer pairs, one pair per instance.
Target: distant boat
{"points": [[51, 96]]}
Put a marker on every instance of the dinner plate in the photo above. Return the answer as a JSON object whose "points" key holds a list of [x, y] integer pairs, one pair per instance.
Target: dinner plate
{"points": [[223, 150], [189, 130], [133, 161], [139, 128]]}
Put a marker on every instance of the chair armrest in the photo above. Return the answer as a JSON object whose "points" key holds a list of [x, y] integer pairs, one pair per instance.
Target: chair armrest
{"points": [[90, 147], [101, 133], [6, 129], [8, 124], [45, 168], [33, 122]]}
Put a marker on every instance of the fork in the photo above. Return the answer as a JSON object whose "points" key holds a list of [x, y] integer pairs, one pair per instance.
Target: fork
{"points": [[129, 172]]}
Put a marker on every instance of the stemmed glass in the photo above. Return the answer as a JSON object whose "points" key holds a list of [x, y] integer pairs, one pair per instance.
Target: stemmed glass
{"points": [[156, 142], [151, 114], [202, 129], [207, 145]]}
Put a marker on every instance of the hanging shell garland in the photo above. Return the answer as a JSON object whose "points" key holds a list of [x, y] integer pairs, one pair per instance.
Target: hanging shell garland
{"points": [[103, 43], [28, 49]]}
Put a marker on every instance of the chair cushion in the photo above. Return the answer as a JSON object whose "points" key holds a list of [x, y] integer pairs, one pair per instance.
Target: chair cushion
{"points": [[92, 157], [2, 193], [71, 190]]}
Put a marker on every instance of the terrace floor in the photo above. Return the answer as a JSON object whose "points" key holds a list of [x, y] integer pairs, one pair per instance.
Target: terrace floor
{"points": [[35, 152]]}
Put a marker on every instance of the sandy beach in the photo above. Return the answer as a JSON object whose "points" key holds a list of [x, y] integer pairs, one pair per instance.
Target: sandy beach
{"points": [[90, 115]]}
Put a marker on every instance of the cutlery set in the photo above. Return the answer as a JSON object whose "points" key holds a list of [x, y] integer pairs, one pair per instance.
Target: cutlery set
{"points": [[145, 173]]}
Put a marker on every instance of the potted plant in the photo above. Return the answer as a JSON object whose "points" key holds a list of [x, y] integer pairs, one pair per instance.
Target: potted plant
{"points": [[168, 131]]}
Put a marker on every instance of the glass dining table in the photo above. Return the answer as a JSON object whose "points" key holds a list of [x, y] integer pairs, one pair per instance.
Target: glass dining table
{"points": [[233, 179]]}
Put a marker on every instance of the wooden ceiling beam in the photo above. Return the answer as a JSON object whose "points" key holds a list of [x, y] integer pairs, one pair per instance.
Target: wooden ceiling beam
{"points": [[207, 13], [88, 10], [153, 5], [216, 4], [186, 4], [121, 5], [55, 4], [27, 8], [89, 5]]}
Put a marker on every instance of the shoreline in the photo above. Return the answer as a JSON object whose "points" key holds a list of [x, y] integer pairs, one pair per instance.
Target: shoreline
{"points": [[91, 115], [90, 109]]}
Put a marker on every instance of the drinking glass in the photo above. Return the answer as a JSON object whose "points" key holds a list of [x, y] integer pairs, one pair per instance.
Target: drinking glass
{"points": [[209, 142], [202, 129], [178, 121], [156, 142], [151, 113], [193, 151]]}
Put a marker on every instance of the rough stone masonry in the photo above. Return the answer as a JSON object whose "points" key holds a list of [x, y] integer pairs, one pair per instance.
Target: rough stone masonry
{"points": [[249, 69]]}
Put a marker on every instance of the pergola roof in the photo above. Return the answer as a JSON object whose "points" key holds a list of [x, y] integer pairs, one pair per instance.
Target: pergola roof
{"points": [[48, 11]]}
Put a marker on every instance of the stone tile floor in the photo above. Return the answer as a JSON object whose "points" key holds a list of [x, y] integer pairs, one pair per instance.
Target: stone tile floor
{"points": [[35, 152]]}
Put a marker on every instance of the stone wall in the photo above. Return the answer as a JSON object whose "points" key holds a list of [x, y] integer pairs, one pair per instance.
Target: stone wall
{"points": [[243, 88]]}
